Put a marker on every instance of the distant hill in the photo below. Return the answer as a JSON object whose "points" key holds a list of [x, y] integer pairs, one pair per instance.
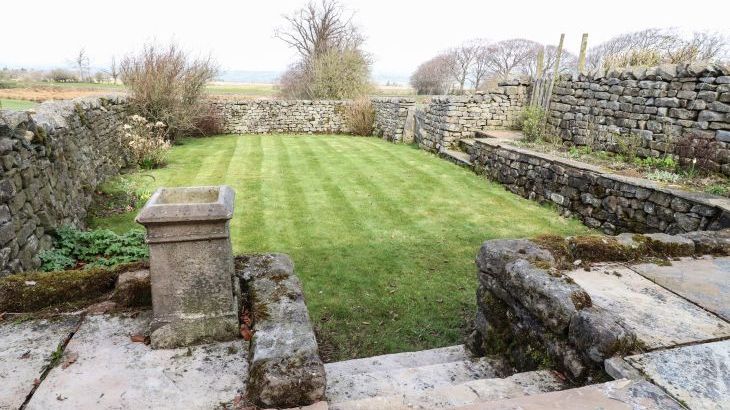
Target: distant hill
{"points": [[269, 77]]}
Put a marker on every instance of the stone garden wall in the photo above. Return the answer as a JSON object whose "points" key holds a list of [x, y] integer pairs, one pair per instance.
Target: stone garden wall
{"points": [[391, 115], [681, 110], [51, 162], [610, 202], [445, 120], [263, 116]]}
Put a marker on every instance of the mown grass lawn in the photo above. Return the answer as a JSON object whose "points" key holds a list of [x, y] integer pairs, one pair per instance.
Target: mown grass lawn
{"points": [[383, 236]]}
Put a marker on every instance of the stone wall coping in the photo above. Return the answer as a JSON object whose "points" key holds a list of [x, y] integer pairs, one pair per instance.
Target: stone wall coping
{"points": [[698, 197], [661, 72]]}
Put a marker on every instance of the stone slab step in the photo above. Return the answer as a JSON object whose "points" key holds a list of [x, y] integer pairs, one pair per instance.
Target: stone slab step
{"points": [[500, 134], [658, 317], [696, 375], [620, 394], [457, 157], [476, 391], [409, 381], [397, 361]]}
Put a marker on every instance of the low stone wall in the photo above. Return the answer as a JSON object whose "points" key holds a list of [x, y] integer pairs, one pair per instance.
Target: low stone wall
{"points": [[610, 202], [445, 120], [263, 116], [285, 369], [530, 310], [51, 162], [681, 110], [391, 117]]}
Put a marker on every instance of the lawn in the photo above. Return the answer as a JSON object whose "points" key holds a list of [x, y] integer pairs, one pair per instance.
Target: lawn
{"points": [[383, 236], [16, 105]]}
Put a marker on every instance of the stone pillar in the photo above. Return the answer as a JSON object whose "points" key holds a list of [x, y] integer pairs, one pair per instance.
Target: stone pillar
{"points": [[191, 265]]}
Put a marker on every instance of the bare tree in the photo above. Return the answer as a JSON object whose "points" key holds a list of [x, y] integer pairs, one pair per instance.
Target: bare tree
{"points": [[432, 77], [113, 70], [320, 27], [646, 45], [568, 61], [480, 67], [461, 60], [512, 57], [82, 64], [702, 46]]}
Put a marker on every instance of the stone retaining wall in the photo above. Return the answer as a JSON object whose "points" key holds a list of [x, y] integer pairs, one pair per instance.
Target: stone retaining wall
{"points": [[51, 162], [529, 310], [602, 200], [391, 117], [446, 119], [262, 116], [681, 110]]}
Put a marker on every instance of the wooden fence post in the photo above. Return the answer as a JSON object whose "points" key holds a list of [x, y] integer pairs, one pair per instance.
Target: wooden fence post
{"points": [[582, 57]]}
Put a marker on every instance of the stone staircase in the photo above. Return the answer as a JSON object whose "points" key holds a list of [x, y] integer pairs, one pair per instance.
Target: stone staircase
{"points": [[462, 152], [430, 379]]}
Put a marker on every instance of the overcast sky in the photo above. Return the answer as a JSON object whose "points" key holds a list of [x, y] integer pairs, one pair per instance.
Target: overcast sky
{"points": [[400, 34]]}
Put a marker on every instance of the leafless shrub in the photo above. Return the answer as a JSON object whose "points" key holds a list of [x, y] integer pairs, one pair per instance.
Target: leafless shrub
{"points": [[210, 122], [166, 85], [432, 77], [360, 116]]}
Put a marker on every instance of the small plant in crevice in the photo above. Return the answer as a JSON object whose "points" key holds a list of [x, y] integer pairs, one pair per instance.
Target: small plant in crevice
{"points": [[532, 124], [664, 176], [84, 249]]}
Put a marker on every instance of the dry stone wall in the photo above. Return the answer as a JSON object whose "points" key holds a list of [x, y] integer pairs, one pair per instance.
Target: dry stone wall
{"points": [[51, 162], [263, 116], [681, 110], [445, 120], [391, 115], [606, 201]]}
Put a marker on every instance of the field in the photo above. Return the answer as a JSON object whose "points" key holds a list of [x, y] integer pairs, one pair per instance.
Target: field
{"points": [[42, 91], [383, 236], [16, 105]]}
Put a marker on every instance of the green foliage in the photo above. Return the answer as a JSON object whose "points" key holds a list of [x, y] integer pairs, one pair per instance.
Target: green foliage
{"points": [[719, 189], [667, 163], [100, 247], [532, 123], [627, 145]]}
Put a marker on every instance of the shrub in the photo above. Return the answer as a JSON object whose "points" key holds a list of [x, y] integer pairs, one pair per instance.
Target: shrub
{"points": [[146, 142], [360, 116], [627, 145], [101, 247], [210, 123], [61, 75], [334, 75], [532, 123], [166, 85]]}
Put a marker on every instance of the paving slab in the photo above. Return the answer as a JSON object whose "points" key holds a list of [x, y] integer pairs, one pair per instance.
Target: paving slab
{"points": [[704, 281], [113, 372], [697, 375], [620, 394], [25, 350], [396, 361], [657, 316]]}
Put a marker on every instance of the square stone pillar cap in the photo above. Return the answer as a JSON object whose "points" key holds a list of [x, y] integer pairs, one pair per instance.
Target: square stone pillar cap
{"points": [[188, 204]]}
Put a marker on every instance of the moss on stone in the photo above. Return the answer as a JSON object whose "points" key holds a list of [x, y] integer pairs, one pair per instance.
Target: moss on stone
{"points": [[29, 292]]}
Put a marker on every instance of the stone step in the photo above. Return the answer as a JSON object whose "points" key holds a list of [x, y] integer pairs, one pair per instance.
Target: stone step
{"points": [[615, 395], [471, 392], [409, 381], [396, 361], [499, 134], [457, 157]]}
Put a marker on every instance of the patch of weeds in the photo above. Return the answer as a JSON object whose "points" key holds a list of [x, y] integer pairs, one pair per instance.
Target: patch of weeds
{"points": [[532, 123], [721, 189], [666, 163], [115, 197], [87, 249], [664, 176]]}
